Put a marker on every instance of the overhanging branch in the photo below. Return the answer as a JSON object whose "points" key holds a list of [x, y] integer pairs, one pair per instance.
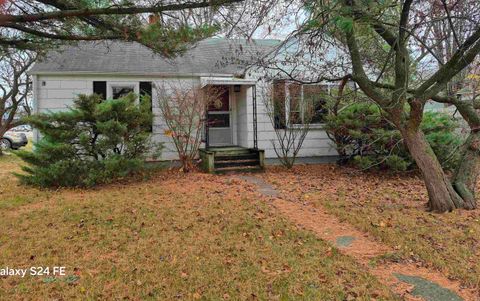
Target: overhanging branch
{"points": [[5, 18], [61, 37], [462, 57]]}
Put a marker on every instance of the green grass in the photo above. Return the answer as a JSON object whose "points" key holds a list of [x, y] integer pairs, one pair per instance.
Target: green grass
{"points": [[174, 236], [14, 202]]}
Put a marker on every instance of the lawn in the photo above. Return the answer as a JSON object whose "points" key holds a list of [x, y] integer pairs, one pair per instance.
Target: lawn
{"points": [[391, 208], [167, 237]]}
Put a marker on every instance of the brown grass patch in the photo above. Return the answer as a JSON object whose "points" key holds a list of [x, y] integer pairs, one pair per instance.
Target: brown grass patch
{"points": [[391, 208], [175, 236]]}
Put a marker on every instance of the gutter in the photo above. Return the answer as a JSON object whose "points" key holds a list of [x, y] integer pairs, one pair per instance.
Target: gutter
{"points": [[145, 74]]}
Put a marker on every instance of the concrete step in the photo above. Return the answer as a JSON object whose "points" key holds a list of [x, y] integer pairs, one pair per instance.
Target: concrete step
{"points": [[231, 152], [237, 163], [240, 169], [235, 157]]}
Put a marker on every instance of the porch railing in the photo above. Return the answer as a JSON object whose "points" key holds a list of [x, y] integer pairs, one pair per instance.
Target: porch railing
{"points": [[206, 125], [255, 129]]}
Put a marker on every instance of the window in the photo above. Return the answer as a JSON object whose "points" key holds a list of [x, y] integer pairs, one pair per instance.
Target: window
{"points": [[315, 96], [146, 95], [295, 103], [218, 120], [100, 88], [121, 91], [279, 105], [219, 111]]}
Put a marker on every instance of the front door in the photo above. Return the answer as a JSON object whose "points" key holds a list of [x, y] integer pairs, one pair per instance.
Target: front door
{"points": [[219, 120]]}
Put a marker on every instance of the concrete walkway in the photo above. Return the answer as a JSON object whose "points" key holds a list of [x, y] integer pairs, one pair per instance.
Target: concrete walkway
{"points": [[407, 280]]}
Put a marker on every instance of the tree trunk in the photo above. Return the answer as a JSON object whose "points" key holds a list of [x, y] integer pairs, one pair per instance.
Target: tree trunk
{"points": [[442, 195], [3, 130], [466, 175]]}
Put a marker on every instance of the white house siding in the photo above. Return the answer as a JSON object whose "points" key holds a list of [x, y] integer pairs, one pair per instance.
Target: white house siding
{"points": [[56, 92], [316, 144], [243, 131], [159, 125]]}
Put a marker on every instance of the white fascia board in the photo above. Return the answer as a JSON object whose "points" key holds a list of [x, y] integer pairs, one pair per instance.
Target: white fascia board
{"points": [[223, 81], [147, 74]]}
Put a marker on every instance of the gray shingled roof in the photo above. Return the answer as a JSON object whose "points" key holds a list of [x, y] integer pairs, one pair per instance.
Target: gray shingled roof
{"points": [[211, 56]]}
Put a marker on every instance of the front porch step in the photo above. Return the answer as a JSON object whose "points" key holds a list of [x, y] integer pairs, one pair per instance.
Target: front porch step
{"points": [[235, 157], [235, 169], [227, 159], [230, 151], [237, 163]]}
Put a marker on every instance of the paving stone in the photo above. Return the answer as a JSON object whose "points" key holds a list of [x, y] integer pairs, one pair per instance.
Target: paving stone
{"points": [[428, 290], [344, 241], [263, 187]]}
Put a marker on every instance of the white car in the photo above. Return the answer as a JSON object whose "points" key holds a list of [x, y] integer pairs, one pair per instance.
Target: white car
{"points": [[13, 140], [21, 128]]}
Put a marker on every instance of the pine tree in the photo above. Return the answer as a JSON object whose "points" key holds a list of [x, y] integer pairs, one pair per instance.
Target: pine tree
{"points": [[94, 142], [363, 136]]}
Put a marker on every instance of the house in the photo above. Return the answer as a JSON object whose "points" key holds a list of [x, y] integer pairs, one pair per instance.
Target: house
{"points": [[112, 69]]}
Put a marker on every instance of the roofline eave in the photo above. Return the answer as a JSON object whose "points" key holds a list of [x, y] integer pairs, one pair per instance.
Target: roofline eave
{"points": [[143, 74]]}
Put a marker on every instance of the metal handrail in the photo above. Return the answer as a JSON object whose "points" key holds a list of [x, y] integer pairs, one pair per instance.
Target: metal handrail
{"points": [[255, 130]]}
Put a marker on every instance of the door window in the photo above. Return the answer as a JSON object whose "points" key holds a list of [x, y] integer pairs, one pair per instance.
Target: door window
{"points": [[219, 111]]}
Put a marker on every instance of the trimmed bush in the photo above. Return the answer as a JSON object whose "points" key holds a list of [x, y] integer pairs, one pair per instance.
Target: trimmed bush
{"points": [[366, 139], [94, 142]]}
